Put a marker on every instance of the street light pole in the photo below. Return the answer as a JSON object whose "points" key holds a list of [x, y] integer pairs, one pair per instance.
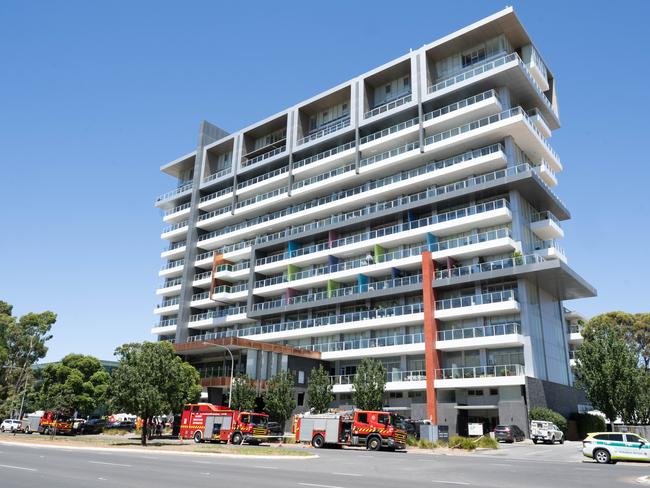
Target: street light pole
{"points": [[232, 368]]}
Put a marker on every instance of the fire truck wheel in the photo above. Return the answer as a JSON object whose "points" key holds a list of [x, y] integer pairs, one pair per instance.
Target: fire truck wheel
{"points": [[373, 443], [318, 442], [237, 438], [27, 431], [198, 438]]}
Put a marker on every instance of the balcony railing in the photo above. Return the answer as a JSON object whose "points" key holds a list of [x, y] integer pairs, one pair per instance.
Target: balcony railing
{"points": [[575, 329], [214, 314], [168, 303], [171, 283], [472, 300], [546, 215], [226, 249], [386, 231], [218, 174], [324, 154], [551, 243], [323, 176], [173, 264], [387, 105], [262, 157], [411, 146], [461, 104], [572, 354], [201, 296], [479, 332], [390, 312], [340, 292], [263, 177], [174, 245], [216, 194], [177, 209], [175, 192], [176, 226], [480, 372], [332, 127], [489, 266], [391, 376], [387, 341], [261, 197], [167, 323], [389, 130]]}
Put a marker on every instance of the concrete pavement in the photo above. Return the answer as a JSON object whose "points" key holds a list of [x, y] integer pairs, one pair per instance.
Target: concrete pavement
{"points": [[33, 466]]}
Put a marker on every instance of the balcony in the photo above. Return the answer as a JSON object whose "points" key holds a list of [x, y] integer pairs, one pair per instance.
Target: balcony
{"points": [[174, 250], [371, 347], [262, 181], [546, 173], [395, 381], [184, 189], [327, 179], [167, 306], [351, 291], [323, 159], [497, 303], [546, 226], [389, 104], [332, 127], [177, 213], [539, 121], [390, 134], [475, 270], [575, 334], [213, 200], [230, 252], [333, 324], [538, 69], [175, 230], [165, 327], [264, 156], [230, 293], [463, 111], [218, 175], [497, 335], [171, 287], [480, 376], [172, 268], [550, 249], [214, 318], [202, 300]]}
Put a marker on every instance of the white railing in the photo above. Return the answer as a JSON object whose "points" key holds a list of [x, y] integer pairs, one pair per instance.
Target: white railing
{"points": [[389, 130], [473, 300], [369, 343], [461, 104], [175, 192], [332, 127], [216, 194], [262, 177], [479, 332], [324, 154], [388, 105], [480, 372], [218, 174], [177, 209], [262, 157], [496, 265], [391, 376]]}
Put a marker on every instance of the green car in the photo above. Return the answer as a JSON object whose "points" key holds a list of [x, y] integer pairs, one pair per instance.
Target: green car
{"points": [[610, 447]]}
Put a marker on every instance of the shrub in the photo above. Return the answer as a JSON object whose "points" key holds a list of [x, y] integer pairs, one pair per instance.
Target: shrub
{"points": [[487, 442], [458, 442], [542, 413], [587, 423], [411, 441], [425, 444]]}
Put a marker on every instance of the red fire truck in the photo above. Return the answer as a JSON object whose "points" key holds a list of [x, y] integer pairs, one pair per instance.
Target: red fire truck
{"points": [[214, 423], [370, 429], [52, 423]]}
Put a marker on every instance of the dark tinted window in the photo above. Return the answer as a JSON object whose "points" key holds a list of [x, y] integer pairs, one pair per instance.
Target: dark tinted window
{"points": [[186, 407], [362, 417], [632, 438], [501, 427], [195, 408], [609, 437], [383, 419]]}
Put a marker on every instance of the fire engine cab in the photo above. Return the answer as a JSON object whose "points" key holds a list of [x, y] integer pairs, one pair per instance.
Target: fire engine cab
{"points": [[205, 422], [370, 429], [51, 422]]}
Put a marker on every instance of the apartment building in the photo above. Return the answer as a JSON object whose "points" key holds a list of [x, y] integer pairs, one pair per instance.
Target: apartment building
{"points": [[409, 215]]}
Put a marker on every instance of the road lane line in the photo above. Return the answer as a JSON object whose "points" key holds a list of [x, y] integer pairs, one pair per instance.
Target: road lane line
{"points": [[110, 464], [319, 486], [347, 474], [16, 467], [265, 467], [451, 482]]}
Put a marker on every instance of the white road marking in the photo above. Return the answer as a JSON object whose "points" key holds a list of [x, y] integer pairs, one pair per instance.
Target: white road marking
{"points": [[202, 462], [265, 467], [103, 479], [16, 467], [319, 486], [110, 464], [451, 482], [347, 474], [206, 474], [500, 464]]}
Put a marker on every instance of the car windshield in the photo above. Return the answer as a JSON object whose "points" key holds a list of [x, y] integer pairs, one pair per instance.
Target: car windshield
{"points": [[397, 421], [501, 427], [259, 420]]}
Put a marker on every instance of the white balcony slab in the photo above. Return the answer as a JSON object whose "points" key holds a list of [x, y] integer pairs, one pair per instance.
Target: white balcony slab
{"points": [[240, 318], [547, 175], [325, 164], [175, 235], [487, 309], [166, 330], [408, 349], [176, 216], [390, 386], [485, 382], [173, 253], [214, 203], [576, 338], [506, 340], [166, 310], [171, 272], [264, 186], [547, 229], [469, 113], [169, 291]]}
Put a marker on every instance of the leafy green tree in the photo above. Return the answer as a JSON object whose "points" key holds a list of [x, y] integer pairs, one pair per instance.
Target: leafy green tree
{"points": [[637, 331], [77, 383], [279, 397], [243, 393], [22, 344], [607, 366], [369, 384], [543, 413], [319, 390], [151, 380]]}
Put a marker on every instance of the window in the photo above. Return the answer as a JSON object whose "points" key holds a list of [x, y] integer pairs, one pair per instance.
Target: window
{"points": [[494, 391], [362, 418], [406, 81], [395, 394], [301, 399], [473, 57], [245, 419], [301, 377], [195, 408], [388, 89], [383, 419], [475, 392]]}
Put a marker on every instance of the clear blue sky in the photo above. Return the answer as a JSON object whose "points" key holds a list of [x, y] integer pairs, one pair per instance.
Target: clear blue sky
{"points": [[96, 96]]}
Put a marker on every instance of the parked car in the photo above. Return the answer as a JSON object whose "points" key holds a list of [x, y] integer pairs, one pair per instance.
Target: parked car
{"points": [[122, 425], [543, 431], [93, 426], [508, 433], [11, 425], [611, 447], [275, 429]]}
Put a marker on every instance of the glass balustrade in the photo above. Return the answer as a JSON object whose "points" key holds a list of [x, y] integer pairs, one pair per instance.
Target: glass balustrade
{"points": [[214, 314], [391, 376], [218, 174], [179, 208], [461, 104], [489, 266], [479, 332], [397, 101], [216, 194], [173, 264], [480, 372], [472, 300], [263, 177], [329, 129], [262, 157], [176, 226], [322, 155], [181, 189], [387, 341], [389, 130]]}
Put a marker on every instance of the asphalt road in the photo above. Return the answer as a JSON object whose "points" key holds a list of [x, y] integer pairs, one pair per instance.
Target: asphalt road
{"points": [[513, 466]]}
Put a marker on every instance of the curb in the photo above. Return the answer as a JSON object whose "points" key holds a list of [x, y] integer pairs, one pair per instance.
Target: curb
{"points": [[643, 479], [156, 451]]}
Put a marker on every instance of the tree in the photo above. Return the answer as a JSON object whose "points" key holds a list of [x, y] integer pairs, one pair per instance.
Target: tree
{"points": [[22, 344], [369, 384], [606, 366], [77, 383], [151, 380], [243, 393], [637, 331], [279, 397], [319, 390], [548, 415]]}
